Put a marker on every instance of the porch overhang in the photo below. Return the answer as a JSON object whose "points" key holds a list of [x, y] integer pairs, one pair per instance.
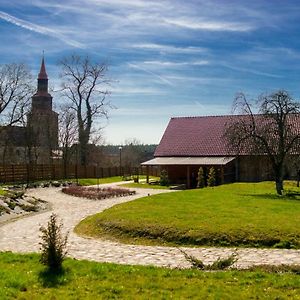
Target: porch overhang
{"points": [[189, 161]]}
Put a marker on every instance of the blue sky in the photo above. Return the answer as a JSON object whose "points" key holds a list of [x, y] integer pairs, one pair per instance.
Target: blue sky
{"points": [[166, 58]]}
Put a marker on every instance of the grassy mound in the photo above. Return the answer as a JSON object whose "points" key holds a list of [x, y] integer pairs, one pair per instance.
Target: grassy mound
{"points": [[23, 277], [240, 214]]}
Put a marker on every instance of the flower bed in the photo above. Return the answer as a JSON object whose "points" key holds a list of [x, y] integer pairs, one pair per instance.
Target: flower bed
{"points": [[96, 193]]}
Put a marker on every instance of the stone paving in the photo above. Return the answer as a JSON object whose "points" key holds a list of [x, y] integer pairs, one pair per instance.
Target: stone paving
{"points": [[23, 234]]}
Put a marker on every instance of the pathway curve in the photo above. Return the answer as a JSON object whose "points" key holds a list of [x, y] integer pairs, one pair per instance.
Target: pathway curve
{"points": [[23, 234]]}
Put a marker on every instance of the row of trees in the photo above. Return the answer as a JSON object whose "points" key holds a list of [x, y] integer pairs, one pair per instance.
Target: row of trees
{"points": [[84, 91]]}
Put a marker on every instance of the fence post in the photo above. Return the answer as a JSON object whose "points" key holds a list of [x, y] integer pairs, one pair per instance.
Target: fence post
{"points": [[13, 173], [76, 173]]}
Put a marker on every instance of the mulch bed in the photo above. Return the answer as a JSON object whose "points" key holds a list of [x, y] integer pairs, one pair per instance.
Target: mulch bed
{"points": [[96, 193]]}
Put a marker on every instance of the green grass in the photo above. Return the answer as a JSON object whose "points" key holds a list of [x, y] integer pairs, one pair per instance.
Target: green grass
{"points": [[240, 214], [3, 192], [144, 185], [94, 181], [23, 277]]}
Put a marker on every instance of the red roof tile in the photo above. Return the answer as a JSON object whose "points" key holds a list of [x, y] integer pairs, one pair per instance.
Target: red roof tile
{"points": [[200, 136]]}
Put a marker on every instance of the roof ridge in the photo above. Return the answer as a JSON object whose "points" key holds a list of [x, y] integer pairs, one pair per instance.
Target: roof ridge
{"points": [[206, 116]]}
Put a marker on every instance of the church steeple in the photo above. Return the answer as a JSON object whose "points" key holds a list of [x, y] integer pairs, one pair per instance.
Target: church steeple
{"points": [[42, 99], [42, 120], [42, 79], [43, 74]]}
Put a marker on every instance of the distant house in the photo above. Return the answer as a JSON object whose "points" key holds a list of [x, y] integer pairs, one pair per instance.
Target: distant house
{"points": [[192, 142]]}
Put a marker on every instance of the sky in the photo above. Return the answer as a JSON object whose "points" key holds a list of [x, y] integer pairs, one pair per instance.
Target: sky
{"points": [[166, 58]]}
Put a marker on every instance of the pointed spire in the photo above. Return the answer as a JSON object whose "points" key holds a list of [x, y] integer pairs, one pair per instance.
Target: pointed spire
{"points": [[43, 74]]}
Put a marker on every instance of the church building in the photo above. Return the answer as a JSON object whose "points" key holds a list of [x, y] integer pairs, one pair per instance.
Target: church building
{"points": [[37, 141]]}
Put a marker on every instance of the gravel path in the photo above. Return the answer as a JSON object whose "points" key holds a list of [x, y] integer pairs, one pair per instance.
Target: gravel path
{"points": [[23, 236]]}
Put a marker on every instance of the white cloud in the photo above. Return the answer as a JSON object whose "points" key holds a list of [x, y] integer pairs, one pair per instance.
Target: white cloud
{"points": [[168, 48], [39, 29], [209, 25], [176, 64], [253, 70], [161, 78]]}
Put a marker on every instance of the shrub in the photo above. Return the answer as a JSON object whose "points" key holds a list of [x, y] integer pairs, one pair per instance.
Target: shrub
{"points": [[14, 195], [4, 210], [211, 180], [225, 263], [164, 179], [53, 245], [200, 178], [56, 183], [219, 264], [135, 178]]}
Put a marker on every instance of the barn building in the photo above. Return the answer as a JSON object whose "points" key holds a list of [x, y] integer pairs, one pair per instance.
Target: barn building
{"points": [[189, 143]]}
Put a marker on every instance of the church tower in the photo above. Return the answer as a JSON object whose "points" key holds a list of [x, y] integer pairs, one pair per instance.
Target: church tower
{"points": [[42, 121]]}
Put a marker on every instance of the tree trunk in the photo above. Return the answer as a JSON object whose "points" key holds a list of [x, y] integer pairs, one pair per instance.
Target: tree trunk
{"points": [[279, 186]]}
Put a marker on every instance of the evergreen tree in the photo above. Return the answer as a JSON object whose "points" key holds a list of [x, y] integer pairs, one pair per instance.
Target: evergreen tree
{"points": [[211, 181], [200, 178]]}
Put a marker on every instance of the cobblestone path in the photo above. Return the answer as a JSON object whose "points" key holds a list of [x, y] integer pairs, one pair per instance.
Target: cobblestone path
{"points": [[23, 234]]}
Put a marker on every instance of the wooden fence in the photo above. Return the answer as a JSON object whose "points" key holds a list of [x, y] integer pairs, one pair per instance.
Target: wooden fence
{"points": [[27, 173]]}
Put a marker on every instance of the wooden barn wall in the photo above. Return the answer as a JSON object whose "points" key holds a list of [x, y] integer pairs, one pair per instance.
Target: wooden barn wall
{"points": [[258, 168]]}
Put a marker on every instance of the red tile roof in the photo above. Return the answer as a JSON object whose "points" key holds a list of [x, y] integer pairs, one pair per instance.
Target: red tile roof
{"points": [[200, 136]]}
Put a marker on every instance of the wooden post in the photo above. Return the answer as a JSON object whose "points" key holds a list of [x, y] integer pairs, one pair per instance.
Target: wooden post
{"points": [[147, 173], [222, 174], [76, 173], [188, 181], [13, 173], [236, 169]]}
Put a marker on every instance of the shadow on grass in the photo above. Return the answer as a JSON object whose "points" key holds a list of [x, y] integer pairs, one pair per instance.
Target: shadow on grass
{"points": [[52, 278], [289, 195]]}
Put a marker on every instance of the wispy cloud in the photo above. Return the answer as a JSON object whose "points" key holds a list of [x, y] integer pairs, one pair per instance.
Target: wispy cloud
{"points": [[209, 25], [168, 48], [161, 78], [39, 29], [252, 71], [176, 64], [124, 91]]}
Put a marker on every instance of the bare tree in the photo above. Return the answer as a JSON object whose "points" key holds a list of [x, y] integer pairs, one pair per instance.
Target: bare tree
{"points": [[132, 152], [274, 131], [84, 85], [67, 134], [15, 92]]}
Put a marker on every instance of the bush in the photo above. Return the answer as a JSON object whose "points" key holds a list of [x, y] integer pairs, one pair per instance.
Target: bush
{"points": [[211, 180], [200, 178], [56, 183], [164, 180], [53, 245]]}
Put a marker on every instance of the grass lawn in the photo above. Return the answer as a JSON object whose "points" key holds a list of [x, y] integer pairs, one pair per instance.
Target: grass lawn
{"points": [[23, 277], [144, 185], [239, 214], [94, 181]]}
